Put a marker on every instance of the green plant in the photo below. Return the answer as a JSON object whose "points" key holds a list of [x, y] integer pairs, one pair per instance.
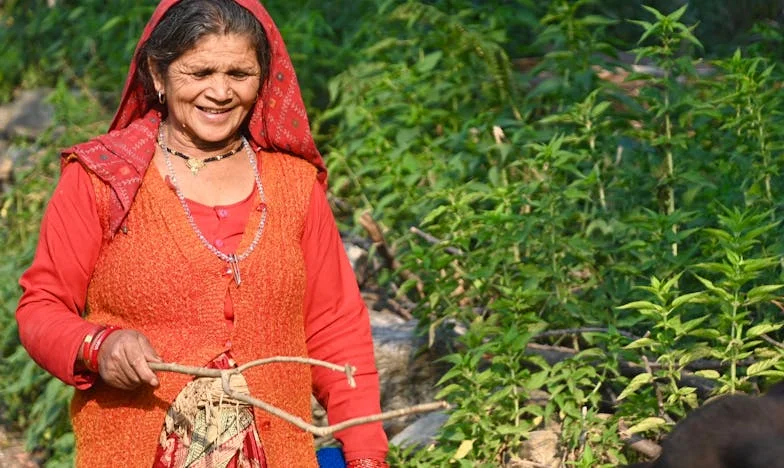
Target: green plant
{"points": [[519, 200], [726, 321], [741, 297], [670, 36], [489, 384]]}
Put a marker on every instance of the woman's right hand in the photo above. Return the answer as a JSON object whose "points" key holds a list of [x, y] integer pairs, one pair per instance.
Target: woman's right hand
{"points": [[123, 358]]}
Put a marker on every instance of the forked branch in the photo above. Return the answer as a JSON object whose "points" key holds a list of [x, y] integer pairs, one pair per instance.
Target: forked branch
{"points": [[225, 376]]}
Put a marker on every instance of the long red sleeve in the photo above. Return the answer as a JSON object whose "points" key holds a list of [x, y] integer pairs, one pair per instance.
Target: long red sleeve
{"points": [[337, 327], [55, 285], [336, 319]]}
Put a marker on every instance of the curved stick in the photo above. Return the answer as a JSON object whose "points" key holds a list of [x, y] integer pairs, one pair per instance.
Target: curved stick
{"points": [[225, 376]]}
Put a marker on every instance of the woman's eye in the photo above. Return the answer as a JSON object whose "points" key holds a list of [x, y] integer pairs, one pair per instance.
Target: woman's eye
{"points": [[201, 74], [239, 75]]}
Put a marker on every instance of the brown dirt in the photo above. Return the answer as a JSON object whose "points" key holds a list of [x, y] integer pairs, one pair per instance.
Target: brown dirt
{"points": [[12, 452]]}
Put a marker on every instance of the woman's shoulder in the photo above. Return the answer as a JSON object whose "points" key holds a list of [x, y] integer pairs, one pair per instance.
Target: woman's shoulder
{"points": [[289, 165], [131, 146]]}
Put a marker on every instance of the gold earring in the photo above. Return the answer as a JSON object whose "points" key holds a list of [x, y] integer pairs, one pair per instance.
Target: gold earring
{"points": [[161, 97]]}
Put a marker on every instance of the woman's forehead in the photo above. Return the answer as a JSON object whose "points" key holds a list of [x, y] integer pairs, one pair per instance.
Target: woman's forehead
{"points": [[220, 49]]}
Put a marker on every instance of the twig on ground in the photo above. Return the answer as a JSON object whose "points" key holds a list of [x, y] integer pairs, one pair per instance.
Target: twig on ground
{"points": [[225, 376], [578, 331], [435, 240], [644, 446], [554, 354], [656, 389], [770, 340], [377, 236], [402, 311]]}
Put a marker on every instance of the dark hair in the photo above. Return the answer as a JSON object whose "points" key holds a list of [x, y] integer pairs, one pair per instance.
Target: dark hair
{"points": [[186, 23]]}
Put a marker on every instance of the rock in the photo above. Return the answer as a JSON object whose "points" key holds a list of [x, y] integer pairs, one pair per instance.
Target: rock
{"points": [[27, 116], [407, 368], [358, 258], [422, 432], [541, 448]]}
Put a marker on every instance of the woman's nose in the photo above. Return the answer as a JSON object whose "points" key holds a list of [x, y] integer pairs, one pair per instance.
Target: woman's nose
{"points": [[220, 88]]}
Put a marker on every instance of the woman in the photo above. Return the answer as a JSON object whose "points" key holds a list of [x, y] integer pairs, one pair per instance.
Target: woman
{"points": [[197, 231]]}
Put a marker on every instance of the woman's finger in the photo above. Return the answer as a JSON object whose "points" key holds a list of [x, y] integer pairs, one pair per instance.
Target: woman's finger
{"points": [[139, 361], [117, 359]]}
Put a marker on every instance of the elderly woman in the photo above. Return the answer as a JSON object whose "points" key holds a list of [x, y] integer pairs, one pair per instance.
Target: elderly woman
{"points": [[197, 231]]}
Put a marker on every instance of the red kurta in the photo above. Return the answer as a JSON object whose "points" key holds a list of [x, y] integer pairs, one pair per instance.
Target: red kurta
{"points": [[55, 288]]}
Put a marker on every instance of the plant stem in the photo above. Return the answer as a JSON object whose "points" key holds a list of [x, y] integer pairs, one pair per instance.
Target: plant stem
{"points": [[670, 170]]}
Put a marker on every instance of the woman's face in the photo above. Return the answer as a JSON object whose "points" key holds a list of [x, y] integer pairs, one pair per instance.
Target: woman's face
{"points": [[210, 89]]}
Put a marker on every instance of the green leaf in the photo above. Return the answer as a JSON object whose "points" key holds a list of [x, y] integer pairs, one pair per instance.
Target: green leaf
{"points": [[690, 298], [763, 292], [762, 329], [434, 214], [646, 425], [708, 374], [641, 343], [638, 381], [761, 366], [464, 449], [677, 14], [430, 61], [640, 305], [110, 24]]}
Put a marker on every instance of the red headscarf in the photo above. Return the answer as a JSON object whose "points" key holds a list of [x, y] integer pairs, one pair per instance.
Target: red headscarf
{"points": [[278, 121]]}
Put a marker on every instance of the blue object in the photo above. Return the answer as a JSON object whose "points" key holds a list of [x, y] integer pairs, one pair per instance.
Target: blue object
{"points": [[330, 457]]}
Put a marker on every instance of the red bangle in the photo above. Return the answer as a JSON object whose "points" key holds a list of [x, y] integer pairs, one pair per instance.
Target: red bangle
{"points": [[92, 352], [367, 463], [84, 351], [95, 346]]}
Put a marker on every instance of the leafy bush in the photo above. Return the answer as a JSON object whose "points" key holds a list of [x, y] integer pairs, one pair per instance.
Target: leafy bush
{"points": [[562, 198]]}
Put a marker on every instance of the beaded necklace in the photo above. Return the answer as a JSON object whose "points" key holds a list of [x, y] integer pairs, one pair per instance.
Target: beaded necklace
{"points": [[196, 164], [233, 260]]}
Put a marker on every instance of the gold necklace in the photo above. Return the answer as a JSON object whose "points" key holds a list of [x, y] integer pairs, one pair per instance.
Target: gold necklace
{"points": [[195, 164]]}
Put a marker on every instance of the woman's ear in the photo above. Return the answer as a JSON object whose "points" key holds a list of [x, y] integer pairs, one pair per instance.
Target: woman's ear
{"points": [[157, 79]]}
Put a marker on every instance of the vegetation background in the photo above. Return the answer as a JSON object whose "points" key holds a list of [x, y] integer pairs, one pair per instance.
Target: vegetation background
{"points": [[598, 177]]}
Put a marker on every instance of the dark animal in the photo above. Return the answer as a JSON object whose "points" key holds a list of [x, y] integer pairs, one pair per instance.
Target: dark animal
{"points": [[737, 431]]}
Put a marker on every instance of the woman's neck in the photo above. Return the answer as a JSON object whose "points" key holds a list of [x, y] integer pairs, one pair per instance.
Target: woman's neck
{"points": [[200, 149]]}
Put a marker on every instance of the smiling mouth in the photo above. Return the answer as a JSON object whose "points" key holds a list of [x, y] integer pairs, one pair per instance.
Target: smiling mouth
{"points": [[213, 111]]}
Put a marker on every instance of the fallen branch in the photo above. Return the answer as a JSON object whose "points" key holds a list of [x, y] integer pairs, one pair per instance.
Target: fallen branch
{"points": [[225, 376], [656, 389], [435, 240], [644, 446], [554, 354], [772, 341], [579, 331], [377, 236]]}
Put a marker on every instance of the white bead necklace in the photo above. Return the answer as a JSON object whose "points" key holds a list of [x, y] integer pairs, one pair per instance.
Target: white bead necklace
{"points": [[233, 260]]}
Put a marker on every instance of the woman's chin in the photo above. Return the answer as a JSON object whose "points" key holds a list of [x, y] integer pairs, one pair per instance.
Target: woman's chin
{"points": [[212, 131]]}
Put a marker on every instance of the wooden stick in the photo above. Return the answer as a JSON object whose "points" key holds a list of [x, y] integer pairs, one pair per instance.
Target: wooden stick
{"points": [[225, 376], [644, 446], [772, 341], [434, 240], [579, 331], [377, 236]]}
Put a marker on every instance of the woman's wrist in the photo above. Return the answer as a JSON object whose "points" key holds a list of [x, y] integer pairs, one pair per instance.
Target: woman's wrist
{"points": [[91, 346]]}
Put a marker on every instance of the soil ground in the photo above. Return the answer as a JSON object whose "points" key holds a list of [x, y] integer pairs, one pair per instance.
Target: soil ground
{"points": [[12, 452]]}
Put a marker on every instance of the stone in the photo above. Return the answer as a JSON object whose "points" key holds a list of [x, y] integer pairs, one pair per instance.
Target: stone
{"points": [[408, 368], [27, 116], [422, 432]]}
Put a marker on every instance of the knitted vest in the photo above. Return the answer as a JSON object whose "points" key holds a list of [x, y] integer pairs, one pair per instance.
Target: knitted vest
{"points": [[159, 279]]}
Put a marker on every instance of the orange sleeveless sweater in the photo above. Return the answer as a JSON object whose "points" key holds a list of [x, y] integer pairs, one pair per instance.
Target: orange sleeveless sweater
{"points": [[159, 279]]}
